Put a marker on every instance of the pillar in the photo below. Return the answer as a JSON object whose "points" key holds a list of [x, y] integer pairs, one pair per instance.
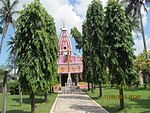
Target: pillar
{"points": [[78, 78], [60, 79]]}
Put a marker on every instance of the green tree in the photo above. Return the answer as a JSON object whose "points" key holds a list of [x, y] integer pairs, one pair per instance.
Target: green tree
{"points": [[4, 73], [94, 23], [119, 42], [142, 64], [83, 44], [87, 64], [92, 44], [6, 15], [77, 36], [37, 50]]}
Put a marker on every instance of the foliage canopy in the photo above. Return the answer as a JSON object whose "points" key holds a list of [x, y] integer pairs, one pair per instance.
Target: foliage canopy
{"points": [[37, 50]]}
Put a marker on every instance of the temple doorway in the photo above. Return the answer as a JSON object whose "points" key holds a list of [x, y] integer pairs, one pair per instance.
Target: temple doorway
{"points": [[64, 79], [65, 76]]}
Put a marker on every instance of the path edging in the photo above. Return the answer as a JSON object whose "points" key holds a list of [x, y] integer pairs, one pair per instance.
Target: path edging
{"points": [[54, 105], [95, 102]]}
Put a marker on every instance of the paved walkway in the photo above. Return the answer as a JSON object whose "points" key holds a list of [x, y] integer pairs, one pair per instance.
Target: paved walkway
{"points": [[77, 102]]}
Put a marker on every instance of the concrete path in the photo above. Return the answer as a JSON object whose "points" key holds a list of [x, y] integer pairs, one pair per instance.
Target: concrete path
{"points": [[77, 102]]}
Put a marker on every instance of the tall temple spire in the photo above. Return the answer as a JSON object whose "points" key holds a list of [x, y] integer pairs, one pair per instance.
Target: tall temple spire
{"points": [[64, 41]]}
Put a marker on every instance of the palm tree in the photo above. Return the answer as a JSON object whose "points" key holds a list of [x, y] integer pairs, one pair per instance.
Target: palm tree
{"points": [[13, 52], [13, 57], [6, 16], [11, 43], [133, 9]]}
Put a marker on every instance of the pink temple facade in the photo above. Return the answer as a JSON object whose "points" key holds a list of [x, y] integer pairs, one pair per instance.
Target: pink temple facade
{"points": [[75, 65]]}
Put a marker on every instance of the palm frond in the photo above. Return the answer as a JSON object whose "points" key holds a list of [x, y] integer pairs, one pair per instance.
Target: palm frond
{"points": [[8, 4], [3, 19], [11, 43], [6, 16], [13, 23], [14, 4], [144, 6], [4, 2], [1, 30], [14, 12], [2, 10]]}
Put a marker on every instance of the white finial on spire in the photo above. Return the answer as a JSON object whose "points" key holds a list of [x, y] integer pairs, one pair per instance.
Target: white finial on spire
{"points": [[63, 25]]}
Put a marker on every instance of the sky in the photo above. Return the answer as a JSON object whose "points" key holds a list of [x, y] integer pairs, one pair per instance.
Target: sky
{"points": [[73, 13]]}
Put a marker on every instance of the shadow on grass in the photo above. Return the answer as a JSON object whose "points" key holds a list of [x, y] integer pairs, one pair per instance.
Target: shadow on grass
{"points": [[137, 89], [17, 111], [146, 111], [113, 109], [143, 103], [27, 100], [85, 90], [95, 98]]}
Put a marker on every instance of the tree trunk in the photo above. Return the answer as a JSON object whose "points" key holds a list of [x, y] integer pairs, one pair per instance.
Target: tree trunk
{"points": [[145, 86], [111, 85], [144, 79], [1, 44], [121, 97], [143, 34], [100, 89], [3, 35], [45, 97], [20, 96], [88, 86], [92, 87], [4, 92], [52, 89], [32, 96]]}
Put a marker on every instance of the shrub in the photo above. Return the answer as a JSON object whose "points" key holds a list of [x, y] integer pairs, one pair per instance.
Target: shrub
{"points": [[13, 88]]}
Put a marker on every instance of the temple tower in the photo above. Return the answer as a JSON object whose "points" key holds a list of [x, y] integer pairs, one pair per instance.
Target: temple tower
{"points": [[69, 66], [64, 42]]}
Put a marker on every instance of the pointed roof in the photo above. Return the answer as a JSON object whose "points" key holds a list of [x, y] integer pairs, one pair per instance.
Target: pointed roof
{"points": [[64, 40]]}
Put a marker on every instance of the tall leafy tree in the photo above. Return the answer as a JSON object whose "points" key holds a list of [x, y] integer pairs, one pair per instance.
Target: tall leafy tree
{"points": [[37, 50], [83, 43], [92, 44], [94, 23], [118, 38], [87, 64], [6, 16]]}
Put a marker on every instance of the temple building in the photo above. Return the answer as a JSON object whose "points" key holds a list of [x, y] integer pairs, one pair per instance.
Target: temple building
{"points": [[69, 65]]}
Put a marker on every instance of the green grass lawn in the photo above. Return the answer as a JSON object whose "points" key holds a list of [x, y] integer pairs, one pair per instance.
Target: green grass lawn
{"points": [[41, 107], [140, 103]]}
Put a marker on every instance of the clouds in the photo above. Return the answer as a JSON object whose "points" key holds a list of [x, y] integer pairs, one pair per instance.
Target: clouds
{"points": [[73, 15], [139, 44]]}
